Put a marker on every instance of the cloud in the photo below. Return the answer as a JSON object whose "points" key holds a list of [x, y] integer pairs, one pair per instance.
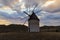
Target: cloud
{"points": [[8, 2], [51, 6], [51, 19], [10, 11], [12, 15]]}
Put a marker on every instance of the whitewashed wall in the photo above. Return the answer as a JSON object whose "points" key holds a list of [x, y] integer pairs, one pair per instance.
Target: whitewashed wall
{"points": [[34, 26]]}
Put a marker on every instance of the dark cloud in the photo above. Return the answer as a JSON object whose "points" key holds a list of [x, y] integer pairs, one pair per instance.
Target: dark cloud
{"points": [[55, 11], [53, 18], [7, 2]]}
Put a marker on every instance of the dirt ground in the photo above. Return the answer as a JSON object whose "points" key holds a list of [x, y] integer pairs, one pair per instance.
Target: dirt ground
{"points": [[30, 36]]}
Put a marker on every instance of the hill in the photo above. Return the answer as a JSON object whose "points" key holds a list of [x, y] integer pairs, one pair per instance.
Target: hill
{"points": [[50, 29], [23, 28], [13, 28]]}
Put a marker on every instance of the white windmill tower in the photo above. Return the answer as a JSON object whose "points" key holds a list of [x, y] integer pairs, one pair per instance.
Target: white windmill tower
{"points": [[33, 22]]}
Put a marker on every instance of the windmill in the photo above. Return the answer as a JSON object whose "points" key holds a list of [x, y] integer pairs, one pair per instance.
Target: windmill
{"points": [[33, 22], [32, 12]]}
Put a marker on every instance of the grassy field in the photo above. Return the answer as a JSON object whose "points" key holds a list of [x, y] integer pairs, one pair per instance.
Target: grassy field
{"points": [[30, 36]]}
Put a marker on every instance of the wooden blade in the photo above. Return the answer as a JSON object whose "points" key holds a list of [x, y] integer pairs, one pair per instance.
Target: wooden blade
{"points": [[26, 13], [38, 11], [25, 21], [35, 7]]}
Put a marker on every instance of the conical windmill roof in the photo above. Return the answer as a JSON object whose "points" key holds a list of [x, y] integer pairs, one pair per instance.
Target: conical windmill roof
{"points": [[33, 16]]}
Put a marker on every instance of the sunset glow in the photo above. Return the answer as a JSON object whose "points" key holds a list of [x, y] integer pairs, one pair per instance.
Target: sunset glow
{"points": [[20, 0], [23, 6], [49, 3], [6, 7], [5, 22]]}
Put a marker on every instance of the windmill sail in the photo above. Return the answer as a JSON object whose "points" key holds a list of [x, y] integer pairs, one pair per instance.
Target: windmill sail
{"points": [[26, 19], [32, 13], [26, 13], [34, 7]]}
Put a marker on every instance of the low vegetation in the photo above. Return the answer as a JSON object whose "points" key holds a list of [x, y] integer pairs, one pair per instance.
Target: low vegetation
{"points": [[23, 28], [13, 28]]}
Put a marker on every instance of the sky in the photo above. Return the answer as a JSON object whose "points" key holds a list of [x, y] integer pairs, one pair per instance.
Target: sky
{"points": [[48, 11]]}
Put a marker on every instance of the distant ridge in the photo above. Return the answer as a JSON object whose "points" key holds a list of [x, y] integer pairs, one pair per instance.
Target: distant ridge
{"points": [[13, 28], [23, 28]]}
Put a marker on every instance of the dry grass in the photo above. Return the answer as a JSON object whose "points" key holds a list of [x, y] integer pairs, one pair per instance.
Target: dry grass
{"points": [[30, 36]]}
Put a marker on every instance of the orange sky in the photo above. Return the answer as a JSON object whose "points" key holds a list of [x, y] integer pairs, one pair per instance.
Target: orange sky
{"points": [[4, 22]]}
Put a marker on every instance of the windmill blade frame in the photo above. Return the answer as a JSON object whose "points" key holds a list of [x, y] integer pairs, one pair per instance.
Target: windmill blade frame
{"points": [[35, 7], [25, 21], [26, 13], [32, 12]]}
